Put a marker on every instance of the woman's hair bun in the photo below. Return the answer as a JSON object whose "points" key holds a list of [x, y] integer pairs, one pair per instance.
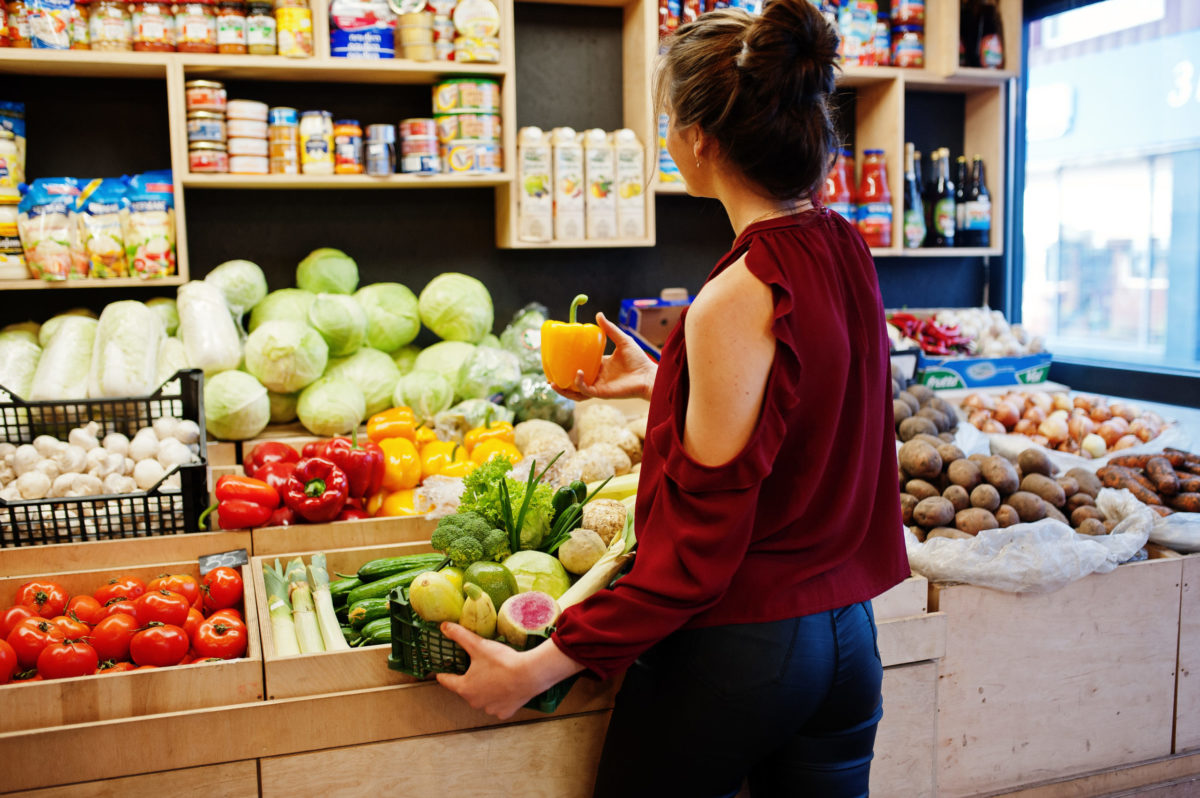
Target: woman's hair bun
{"points": [[793, 45]]}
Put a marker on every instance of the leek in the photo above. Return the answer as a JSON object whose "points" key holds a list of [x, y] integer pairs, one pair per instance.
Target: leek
{"points": [[283, 631], [308, 633], [331, 630]]}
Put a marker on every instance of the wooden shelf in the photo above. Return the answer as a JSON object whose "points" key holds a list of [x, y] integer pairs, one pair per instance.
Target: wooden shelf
{"points": [[614, 243], [671, 188], [82, 63], [594, 3], [342, 181], [951, 252], [963, 80], [852, 76], [115, 282]]}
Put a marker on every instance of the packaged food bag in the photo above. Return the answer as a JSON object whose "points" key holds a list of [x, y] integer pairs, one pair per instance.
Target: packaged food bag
{"points": [[101, 212], [206, 327], [149, 227], [48, 231]]}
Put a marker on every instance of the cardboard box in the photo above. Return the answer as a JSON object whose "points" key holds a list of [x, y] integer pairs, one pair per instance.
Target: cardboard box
{"points": [[949, 373], [651, 321]]}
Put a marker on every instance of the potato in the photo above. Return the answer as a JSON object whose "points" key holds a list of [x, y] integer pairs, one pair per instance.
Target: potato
{"points": [[911, 427], [920, 459], [1056, 514], [958, 496], [900, 410], [923, 393], [1089, 483], [939, 403], [978, 459], [1092, 526], [1029, 506], [1007, 516], [921, 489], [965, 473], [1035, 461], [1045, 487], [948, 532], [910, 400], [1000, 473], [936, 416], [1079, 500], [946, 437], [975, 520], [907, 503], [1081, 514], [1069, 485], [985, 497], [933, 440], [949, 453], [933, 512], [917, 532], [895, 388], [1110, 524]]}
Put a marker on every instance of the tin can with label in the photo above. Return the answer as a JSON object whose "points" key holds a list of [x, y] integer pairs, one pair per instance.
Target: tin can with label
{"points": [[381, 149], [472, 157], [476, 127], [205, 95], [422, 145], [295, 31], [242, 146], [208, 156], [246, 109], [248, 165], [421, 165], [467, 94], [246, 129], [284, 137], [206, 126], [417, 128], [348, 147]]}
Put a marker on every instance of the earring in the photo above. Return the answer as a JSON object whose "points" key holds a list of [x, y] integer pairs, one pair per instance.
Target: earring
{"points": [[697, 163]]}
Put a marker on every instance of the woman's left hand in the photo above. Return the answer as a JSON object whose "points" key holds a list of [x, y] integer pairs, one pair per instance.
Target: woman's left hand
{"points": [[498, 681]]}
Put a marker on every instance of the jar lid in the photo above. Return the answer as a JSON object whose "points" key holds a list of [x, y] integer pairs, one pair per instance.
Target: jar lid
{"points": [[477, 18], [205, 114], [348, 122], [872, 152], [325, 114], [204, 84], [909, 29], [218, 146]]}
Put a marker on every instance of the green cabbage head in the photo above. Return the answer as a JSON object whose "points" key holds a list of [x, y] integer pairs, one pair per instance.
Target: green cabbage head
{"points": [[286, 355], [456, 307], [236, 407], [340, 321], [392, 316], [327, 271]]}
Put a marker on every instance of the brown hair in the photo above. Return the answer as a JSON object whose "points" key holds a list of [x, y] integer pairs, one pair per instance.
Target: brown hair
{"points": [[760, 86]]}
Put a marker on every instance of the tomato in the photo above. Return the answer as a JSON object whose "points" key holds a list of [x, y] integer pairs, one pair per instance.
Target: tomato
{"points": [[86, 609], [159, 646], [30, 675], [13, 616], [8, 662], [108, 666], [30, 637], [183, 584], [120, 606], [72, 628], [216, 638], [111, 636], [162, 606], [128, 586], [67, 660], [222, 588], [47, 599], [194, 619], [230, 613]]}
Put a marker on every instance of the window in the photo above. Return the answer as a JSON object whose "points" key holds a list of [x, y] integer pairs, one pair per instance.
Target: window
{"points": [[1112, 183]]}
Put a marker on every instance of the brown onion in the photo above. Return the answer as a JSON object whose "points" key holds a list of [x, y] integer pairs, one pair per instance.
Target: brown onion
{"points": [[1109, 432], [1026, 426], [1126, 441], [1062, 402], [978, 417], [1006, 413], [993, 427], [1080, 426], [1054, 429], [1035, 414]]}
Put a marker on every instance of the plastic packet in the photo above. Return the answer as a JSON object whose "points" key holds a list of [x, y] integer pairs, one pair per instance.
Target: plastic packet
{"points": [[125, 353], [12, 119], [101, 213], [150, 225], [49, 234], [50, 23]]}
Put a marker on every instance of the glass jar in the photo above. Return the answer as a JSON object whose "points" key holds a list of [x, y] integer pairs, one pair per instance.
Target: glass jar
{"points": [[3, 25], [18, 24], [348, 147], [205, 95], [260, 29], [153, 27], [294, 31], [231, 27], [196, 27], [208, 157], [316, 143], [110, 27], [80, 39]]}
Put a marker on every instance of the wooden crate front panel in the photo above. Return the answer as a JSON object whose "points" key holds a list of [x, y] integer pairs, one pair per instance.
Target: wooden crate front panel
{"points": [[1038, 687], [88, 699], [1187, 701], [234, 779], [910, 597], [913, 639], [904, 744], [276, 540], [65, 557], [547, 759]]}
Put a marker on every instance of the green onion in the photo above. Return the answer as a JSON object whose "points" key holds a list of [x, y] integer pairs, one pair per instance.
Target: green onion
{"points": [[283, 630], [308, 632], [331, 632]]}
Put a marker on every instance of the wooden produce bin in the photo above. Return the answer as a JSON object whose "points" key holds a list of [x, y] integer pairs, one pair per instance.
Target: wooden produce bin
{"points": [[1040, 687], [278, 540], [1187, 699], [102, 697], [60, 557]]}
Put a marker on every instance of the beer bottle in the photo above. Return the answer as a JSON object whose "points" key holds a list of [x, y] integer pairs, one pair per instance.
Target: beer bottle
{"points": [[977, 225], [990, 41], [945, 216], [960, 198], [914, 208]]}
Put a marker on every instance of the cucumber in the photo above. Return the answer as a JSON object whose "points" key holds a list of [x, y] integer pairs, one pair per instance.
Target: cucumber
{"points": [[352, 636], [377, 632], [378, 569], [340, 589], [381, 587], [368, 610]]}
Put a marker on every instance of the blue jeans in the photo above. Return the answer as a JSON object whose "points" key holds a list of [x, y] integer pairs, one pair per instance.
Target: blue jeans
{"points": [[790, 705]]}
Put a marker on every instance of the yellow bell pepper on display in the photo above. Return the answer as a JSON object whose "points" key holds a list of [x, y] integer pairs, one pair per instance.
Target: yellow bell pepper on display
{"points": [[436, 456], [401, 464], [375, 501], [488, 449], [459, 468], [423, 435], [399, 422], [399, 503], [491, 431]]}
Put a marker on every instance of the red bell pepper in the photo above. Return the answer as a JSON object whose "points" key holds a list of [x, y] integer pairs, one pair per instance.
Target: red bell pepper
{"points": [[317, 490], [268, 452], [276, 474], [349, 513], [243, 502], [283, 516], [363, 464], [315, 449]]}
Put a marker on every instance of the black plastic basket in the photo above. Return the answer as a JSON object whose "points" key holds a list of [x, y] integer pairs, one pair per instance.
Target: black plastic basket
{"points": [[420, 649], [158, 511]]}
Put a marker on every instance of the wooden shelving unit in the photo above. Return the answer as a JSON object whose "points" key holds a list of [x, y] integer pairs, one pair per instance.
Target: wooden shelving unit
{"points": [[115, 282], [285, 182]]}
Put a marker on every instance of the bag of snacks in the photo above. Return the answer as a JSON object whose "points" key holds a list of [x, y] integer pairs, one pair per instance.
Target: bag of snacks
{"points": [[48, 231], [100, 213], [150, 225]]}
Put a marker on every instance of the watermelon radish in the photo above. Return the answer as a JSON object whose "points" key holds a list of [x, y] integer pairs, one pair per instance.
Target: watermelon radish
{"points": [[525, 614]]}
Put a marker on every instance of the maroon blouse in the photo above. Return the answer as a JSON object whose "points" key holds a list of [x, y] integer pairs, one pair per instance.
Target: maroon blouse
{"points": [[806, 517]]}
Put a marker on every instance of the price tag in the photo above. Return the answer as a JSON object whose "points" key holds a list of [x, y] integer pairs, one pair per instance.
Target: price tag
{"points": [[227, 559]]}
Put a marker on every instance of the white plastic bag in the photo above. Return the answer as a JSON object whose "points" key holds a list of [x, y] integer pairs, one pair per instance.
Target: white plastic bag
{"points": [[1035, 558], [125, 355], [206, 328], [1180, 532]]}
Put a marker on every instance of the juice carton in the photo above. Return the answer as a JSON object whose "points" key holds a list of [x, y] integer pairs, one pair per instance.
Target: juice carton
{"points": [[568, 184], [631, 183], [535, 202], [600, 177]]}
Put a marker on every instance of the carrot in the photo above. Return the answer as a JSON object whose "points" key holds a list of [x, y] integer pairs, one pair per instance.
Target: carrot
{"points": [[1185, 502], [1188, 483], [1162, 474], [1161, 510], [1131, 460]]}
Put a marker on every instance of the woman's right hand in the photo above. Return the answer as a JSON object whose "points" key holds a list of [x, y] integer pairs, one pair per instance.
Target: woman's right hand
{"points": [[627, 372]]}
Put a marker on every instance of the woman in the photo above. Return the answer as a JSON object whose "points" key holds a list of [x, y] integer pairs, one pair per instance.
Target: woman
{"points": [[767, 510]]}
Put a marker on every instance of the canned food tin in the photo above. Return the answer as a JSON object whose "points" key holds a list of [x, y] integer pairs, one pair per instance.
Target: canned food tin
{"points": [[472, 157], [410, 35], [419, 128], [206, 126], [246, 109], [295, 31], [283, 115], [425, 145], [443, 50], [381, 149], [208, 157], [467, 94], [477, 127], [240, 146], [248, 165], [421, 165], [417, 19], [481, 51], [205, 95], [246, 129], [444, 30]]}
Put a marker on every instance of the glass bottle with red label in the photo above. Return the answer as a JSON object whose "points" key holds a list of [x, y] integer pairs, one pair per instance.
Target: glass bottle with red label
{"points": [[875, 201], [991, 36], [838, 195]]}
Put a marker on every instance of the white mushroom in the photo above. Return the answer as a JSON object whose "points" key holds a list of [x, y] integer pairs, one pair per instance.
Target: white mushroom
{"points": [[111, 463], [11, 493], [25, 459], [188, 432], [130, 463], [62, 486], [33, 485], [71, 459], [85, 485], [116, 442], [7, 474], [47, 446], [173, 482], [118, 483], [165, 427], [173, 453], [7, 450], [147, 474], [49, 468], [85, 437], [143, 446]]}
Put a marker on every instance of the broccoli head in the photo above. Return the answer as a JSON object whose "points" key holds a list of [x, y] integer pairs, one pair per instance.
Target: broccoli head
{"points": [[496, 546], [452, 527], [465, 550]]}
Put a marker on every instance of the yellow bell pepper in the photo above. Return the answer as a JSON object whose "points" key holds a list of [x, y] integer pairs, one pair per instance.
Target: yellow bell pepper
{"points": [[375, 501], [401, 464], [423, 435], [490, 431], [399, 422], [489, 449], [570, 347], [459, 468], [399, 503], [436, 456]]}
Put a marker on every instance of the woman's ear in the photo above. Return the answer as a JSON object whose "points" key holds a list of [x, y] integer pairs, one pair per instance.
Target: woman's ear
{"points": [[701, 144]]}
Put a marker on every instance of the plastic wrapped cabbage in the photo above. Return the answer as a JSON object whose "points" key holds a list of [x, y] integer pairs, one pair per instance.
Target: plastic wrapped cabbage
{"points": [[523, 336], [236, 407], [392, 316], [242, 283], [477, 412], [445, 357], [62, 372], [207, 329], [283, 407], [125, 352], [341, 322], [491, 341], [172, 357], [456, 307], [426, 392], [28, 327], [327, 271], [165, 307], [534, 398], [18, 362], [405, 358], [286, 304], [331, 406], [488, 372], [285, 356], [373, 372]]}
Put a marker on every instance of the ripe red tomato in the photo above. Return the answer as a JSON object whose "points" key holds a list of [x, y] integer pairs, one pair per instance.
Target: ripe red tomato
{"points": [[108, 666], [47, 599], [120, 606], [194, 619], [66, 660], [111, 636], [183, 584], [30, 637], [8, 662], [159, 646], [222, 588], [13, 616], [86, 609], [128, 586], [72, 628], [216, 638], [230, 614], [162, 606]]}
